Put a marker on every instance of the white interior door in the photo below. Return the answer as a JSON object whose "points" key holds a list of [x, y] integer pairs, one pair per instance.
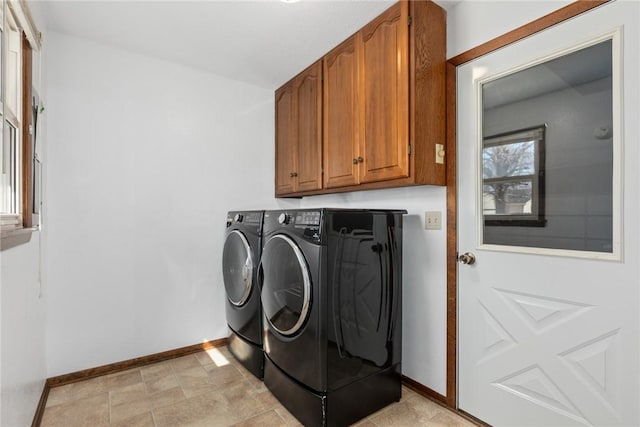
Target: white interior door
{"points": [[548, 313]]}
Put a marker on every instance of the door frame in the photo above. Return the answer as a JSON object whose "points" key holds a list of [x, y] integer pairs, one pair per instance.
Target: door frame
{"points": [[567, 12]]}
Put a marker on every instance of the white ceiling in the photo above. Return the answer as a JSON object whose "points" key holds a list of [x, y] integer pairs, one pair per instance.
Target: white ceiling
{"points": [[260, 42]]}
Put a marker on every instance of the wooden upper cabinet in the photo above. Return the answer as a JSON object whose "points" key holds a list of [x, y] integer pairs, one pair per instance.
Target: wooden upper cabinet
{"points": [[286, 150], [299, 133], [342, 114], [373, 115], [385, 86], [308, 90]]}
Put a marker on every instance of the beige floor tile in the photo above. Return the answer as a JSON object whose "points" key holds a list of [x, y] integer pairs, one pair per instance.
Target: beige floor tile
{"points": [[251, 379], [243, 398], [141, 402], [58, 395], [195, 381], [92, 387], [107, 383], [267, 419], [185, 362], [267, 399], [206, 389], [289, 419], [127, 394], [90, 411], [160, 383], [407, 392], [448, 419], [142, 420], [157, 370], [218, 356], [424, 408], [206, 410], [398, 414], [223, 374]]}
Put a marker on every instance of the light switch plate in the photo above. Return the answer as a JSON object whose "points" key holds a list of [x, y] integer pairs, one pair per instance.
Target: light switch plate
{"points": [[433, 220], [440, 153]]}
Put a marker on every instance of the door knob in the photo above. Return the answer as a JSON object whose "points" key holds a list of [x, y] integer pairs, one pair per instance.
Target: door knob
{"points": [[467, 258]]}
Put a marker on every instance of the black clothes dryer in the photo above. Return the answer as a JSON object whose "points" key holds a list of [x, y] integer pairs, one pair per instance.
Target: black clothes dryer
{"points": [[240, 257], [332, 300]]}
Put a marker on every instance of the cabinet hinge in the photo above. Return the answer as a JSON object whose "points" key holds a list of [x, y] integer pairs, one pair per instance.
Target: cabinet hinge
{"points": [[409, 20], [321, 171], [409, 151]]}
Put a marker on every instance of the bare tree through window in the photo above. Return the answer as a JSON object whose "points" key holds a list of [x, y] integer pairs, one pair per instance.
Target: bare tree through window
{"points": [[513, 177]]}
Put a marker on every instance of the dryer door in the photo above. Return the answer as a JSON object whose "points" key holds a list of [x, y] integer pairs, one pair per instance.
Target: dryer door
{"points": [[286, 286], [237, 264]]}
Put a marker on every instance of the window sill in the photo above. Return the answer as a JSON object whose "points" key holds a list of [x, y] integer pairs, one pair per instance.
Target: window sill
{"points": [[15, 237]]}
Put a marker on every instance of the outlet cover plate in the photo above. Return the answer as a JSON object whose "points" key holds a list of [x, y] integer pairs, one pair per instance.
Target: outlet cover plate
{"points": [[433, 220]]}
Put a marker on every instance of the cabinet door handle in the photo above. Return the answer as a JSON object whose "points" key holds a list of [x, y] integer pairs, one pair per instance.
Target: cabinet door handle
{"points": [[292, 174], [355, 161], [360, 159]]}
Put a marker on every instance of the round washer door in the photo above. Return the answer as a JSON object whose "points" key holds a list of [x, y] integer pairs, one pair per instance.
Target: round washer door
{"points": [[237, 265], [286, 285]]}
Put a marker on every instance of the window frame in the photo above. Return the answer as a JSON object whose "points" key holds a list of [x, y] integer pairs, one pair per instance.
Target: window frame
{"points": [[537, 135], [16, 226]]}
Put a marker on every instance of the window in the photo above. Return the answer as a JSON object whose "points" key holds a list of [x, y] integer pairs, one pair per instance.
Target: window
{"points": [[513, 178], [17, 160]]}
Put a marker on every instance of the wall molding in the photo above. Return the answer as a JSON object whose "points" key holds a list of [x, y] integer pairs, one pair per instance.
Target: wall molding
{"points": [[112, 368]]}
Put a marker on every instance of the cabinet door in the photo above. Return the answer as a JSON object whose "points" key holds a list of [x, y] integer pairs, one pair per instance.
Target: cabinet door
{"points": [[285, 142], [386, 91], [308, 90], [341, 114]]}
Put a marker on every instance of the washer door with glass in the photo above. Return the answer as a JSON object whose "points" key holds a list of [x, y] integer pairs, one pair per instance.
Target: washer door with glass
{"points": [[286, 286], [237, 264]]}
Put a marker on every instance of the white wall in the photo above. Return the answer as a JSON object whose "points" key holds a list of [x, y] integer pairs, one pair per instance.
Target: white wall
{"points": [[23, 333], [473, 22], [146, 157], [23, 313]]}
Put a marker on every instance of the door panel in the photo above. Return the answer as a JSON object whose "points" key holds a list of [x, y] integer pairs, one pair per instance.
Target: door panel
{"points": [[341, 118], [286, 148], [309, 128], [386, 92], [548, 335]]}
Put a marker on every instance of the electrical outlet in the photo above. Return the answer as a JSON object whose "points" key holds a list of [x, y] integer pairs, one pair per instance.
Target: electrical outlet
{"points": [[433, 220]]}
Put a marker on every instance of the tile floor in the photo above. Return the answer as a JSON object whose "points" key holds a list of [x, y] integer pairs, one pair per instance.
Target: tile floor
{"points": [[205, 389]]}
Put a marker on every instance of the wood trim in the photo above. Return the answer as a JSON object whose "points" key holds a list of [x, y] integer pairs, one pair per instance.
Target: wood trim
{"points": [[567, 12], [452, 240], [570, 11], [42, 404], [423, 390], [27, 139], [132, 363]]}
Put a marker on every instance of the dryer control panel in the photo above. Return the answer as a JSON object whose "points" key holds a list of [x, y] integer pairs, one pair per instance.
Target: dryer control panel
{"points": [[303, 223], [308, 218]]}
